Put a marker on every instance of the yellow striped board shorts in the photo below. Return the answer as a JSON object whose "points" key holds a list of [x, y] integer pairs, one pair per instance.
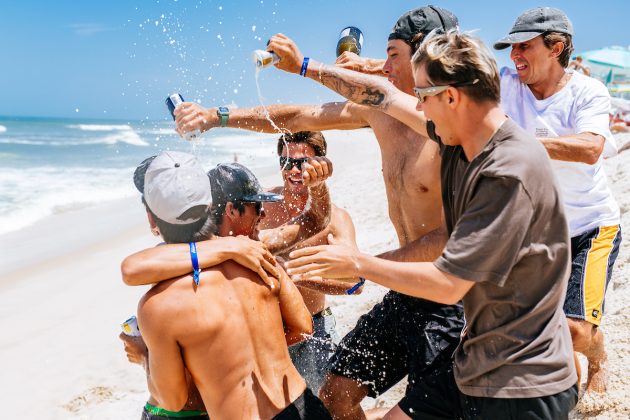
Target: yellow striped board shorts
{"points": [[593, 255]]}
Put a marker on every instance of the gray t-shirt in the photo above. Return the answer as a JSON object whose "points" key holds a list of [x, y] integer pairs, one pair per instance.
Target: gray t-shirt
{"points": [[508, 233]]}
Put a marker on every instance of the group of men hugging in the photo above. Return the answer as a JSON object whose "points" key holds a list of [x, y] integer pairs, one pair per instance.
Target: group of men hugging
{"points": [[507, 228]]}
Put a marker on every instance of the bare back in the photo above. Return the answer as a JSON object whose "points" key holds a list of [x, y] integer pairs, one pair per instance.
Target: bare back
{"points": [[411, 171], [230, 332]]}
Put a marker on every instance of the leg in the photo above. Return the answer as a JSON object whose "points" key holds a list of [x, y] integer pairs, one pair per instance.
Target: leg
{"points": [[588, 339], [342, 397], [594, 254], [369, 360]]}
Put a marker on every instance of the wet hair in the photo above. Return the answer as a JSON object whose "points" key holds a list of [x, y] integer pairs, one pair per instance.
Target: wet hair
{"points": [[550, 39], [217, 211], [455, 57], [415, 42], [314, 138], [200, 230]]}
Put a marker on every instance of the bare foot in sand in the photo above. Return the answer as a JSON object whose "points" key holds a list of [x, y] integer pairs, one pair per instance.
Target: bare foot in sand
{"points": [[597, 375]]}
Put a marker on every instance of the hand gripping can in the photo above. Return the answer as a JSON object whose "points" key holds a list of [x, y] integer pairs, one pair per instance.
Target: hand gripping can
{"points": [[172, 101], [130, 327]]}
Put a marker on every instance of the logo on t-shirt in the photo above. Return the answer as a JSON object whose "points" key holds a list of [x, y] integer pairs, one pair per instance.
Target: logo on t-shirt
{"points": [[595, 313], [542, 132]]}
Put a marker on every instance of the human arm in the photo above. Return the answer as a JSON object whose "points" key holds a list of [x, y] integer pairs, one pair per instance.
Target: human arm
{"points": [[372, 91], [591, 122], [315, 216], [172, 260], [329, 116], [166, 373], [421, 280], [296, 318], [582, 147], [426, 248], [352, 61]]}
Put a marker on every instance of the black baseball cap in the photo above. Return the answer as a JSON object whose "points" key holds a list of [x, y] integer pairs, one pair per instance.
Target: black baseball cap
{"points": [[234, 182], [424, 19], [535, 22]]}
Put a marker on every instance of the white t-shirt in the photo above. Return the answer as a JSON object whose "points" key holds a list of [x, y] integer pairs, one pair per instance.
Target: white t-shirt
{"points": [[581, 106]]}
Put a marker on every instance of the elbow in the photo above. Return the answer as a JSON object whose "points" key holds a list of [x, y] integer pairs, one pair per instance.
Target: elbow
{"points": [[128, 270], [174, 402], [592, 156]]}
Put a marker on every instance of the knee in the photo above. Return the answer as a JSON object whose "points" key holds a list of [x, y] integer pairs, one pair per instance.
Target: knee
{"points": [[582, 333], [340, 394]]}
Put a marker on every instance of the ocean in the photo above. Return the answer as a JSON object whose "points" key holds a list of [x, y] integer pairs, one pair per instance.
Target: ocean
{"points": [[57, 165]]}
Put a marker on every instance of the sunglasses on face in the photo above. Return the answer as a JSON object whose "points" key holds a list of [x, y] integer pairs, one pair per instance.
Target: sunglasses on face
{"points": [[257, 205], [287, 163], [422, 93]]}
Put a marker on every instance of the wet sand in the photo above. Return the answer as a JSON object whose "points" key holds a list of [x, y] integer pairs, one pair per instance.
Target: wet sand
{"points": [[62, 298]]}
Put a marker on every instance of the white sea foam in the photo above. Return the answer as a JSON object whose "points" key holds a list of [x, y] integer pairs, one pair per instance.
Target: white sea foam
{"points": [[129, 137], [60, 190], [3, 129], [100, 127]]}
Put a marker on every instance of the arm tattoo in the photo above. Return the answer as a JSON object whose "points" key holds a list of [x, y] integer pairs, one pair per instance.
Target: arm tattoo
{"points": [[359, 88]]}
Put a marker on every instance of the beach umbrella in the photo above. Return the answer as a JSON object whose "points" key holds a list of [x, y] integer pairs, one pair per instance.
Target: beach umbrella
{"points": [[615, 57], [609, 64]]}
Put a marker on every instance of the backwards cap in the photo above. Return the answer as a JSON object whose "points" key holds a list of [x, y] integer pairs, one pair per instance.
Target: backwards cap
{"points": [[172, 183], [424, 19]]}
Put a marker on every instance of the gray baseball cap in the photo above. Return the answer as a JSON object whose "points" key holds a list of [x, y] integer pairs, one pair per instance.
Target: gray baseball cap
{"points": [[535, 22], [172, 183]]}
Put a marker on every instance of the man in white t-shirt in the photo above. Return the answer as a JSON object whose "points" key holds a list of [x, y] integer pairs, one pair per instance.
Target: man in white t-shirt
{"points": [[568, 113]]}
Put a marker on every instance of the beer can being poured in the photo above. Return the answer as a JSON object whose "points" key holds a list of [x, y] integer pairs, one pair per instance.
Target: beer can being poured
{"points": [[350, 39], [172, 101], [264, 58]]}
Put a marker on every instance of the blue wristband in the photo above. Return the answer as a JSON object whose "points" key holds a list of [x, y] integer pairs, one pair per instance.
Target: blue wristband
{"points": [[195, 262], [304, 66], [356, 287]]}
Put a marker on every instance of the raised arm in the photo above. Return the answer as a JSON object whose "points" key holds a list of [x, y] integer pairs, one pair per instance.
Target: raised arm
{"points": [[329, 116], [362, 89], [316, 214], [351, 61]]}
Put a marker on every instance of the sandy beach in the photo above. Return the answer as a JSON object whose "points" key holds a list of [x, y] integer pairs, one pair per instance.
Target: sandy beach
{"points": [[62, 298]]}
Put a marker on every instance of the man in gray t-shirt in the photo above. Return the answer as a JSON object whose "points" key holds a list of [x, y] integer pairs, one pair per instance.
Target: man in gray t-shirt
{"points": [[507, 254]]}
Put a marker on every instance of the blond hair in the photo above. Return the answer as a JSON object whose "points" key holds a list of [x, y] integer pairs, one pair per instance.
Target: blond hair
{"points": [[454, 57]]}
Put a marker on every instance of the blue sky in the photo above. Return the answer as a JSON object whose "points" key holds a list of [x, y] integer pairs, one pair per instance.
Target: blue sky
{"points": [[120, 59]]}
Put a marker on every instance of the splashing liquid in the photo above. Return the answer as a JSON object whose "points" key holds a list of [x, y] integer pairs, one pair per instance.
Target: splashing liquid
{"points": [[260, 99]]}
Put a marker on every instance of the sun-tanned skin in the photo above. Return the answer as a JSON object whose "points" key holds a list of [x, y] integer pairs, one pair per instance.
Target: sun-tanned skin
{"points": [[296, 196], [232, 318], [410, 162], [160, 263]]}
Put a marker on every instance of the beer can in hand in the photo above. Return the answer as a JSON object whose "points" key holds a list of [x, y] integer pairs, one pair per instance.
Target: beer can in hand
{"points": [[350, 39], [130, 327], [173, 101], [264, 58]]}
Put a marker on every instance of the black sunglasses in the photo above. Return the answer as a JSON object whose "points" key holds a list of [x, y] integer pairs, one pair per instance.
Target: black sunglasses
{"points": [[287, 163], [257, 205]]}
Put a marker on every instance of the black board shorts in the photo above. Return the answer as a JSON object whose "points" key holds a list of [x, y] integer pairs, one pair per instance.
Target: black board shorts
{"points": [[400, 336], [306, 407], [438, 397]]}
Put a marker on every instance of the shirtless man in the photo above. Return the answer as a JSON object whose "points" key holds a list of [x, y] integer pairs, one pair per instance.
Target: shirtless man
{"points": [[412, 181], [226, 314], [295, 152]]}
